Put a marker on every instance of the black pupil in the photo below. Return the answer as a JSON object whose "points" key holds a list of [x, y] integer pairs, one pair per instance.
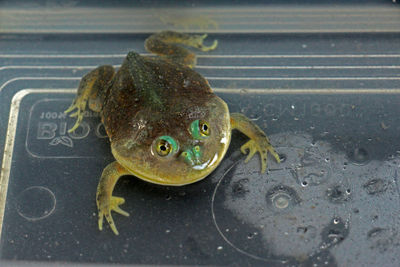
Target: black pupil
{"points": [[205, 127], [163, 148]]}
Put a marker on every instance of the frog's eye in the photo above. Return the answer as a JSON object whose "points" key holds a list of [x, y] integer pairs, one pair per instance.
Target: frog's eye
{"points": [[165, 145], [199, 129]]}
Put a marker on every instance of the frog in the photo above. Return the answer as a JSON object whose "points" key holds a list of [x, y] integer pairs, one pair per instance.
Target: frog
{"points": [[165, 124]]}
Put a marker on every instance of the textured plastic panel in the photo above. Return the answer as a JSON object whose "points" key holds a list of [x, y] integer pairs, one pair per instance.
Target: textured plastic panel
{"points": [[329, 103]]}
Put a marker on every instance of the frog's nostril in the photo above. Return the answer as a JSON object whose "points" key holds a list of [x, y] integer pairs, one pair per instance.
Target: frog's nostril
{"points": [[192, 155], [197, 151], [187, 156]]}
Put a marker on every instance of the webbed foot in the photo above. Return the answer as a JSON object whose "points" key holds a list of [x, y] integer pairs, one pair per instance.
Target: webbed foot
{"points": [[262, 146], [105, 206]]}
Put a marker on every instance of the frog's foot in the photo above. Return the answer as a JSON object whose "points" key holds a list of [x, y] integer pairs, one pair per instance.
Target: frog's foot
{"points": [[197, 41], [80, 105], [262, 146], [105, 211]]}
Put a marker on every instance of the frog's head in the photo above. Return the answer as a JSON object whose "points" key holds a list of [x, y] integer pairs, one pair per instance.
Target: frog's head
{"points": [[179, 146]]}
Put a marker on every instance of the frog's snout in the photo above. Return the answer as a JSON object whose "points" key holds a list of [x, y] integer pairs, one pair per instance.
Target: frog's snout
{"points": [[192, 155]]}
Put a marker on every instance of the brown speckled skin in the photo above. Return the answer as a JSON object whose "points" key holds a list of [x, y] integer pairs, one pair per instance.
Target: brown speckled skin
{"points": [[133, 120], [152, 100]]}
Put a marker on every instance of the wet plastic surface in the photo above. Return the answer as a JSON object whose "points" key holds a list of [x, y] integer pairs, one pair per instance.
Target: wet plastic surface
{"points": [[329, 103]]}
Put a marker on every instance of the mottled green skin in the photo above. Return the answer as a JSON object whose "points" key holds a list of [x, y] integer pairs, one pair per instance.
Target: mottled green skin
{"points": [[134, 118]]}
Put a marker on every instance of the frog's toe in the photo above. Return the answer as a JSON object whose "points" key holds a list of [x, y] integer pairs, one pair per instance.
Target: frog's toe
{"points": [[80, 106], [78, 121], [211, 47], [263, 147], [105, 211], [250, 145], [71, 108], [198, 43], [115, 202]]}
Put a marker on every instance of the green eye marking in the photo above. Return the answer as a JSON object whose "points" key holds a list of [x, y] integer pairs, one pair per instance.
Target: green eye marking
{"points": [[199, 129], [165, 145]]}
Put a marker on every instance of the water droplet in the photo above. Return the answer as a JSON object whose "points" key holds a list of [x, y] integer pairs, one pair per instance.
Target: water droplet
{"points": [[251, 235], [239, 188], [336, 194], [335, 232], [282, 157], [375, 232], [375, 186]]}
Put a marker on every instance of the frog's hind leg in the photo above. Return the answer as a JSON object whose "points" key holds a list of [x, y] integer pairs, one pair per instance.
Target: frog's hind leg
{"points": [[165, 44], [92, 89]]}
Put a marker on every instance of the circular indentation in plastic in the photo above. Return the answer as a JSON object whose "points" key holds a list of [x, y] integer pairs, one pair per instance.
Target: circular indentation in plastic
{"points": [[282, 198], [359, 156], [36, 203]]}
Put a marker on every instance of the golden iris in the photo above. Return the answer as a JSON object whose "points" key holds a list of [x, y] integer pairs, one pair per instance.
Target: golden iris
{"points": [[163, 147]]}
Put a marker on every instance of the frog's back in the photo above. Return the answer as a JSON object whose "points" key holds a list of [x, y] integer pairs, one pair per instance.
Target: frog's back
{"points": [[149, 84]]}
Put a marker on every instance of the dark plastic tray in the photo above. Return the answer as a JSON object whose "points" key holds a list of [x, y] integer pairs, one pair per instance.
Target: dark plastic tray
{"points": [[328, 102]]}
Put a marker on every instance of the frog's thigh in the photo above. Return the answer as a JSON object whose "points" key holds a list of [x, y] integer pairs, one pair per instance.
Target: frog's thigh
{"points": [[165, 44], [93, 86], [92, 89]]}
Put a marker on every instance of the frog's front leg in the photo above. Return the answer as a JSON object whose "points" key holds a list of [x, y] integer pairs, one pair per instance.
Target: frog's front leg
{"points": [[165, 45], [92, 89], [258, 139], [104, 199]]}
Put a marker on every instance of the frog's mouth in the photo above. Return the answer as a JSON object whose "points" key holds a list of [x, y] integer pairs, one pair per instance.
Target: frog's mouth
{"points": [[192, 157]]}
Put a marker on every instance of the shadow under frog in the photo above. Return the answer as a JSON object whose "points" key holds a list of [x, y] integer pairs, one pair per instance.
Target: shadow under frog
{"points": [[165, 124]]}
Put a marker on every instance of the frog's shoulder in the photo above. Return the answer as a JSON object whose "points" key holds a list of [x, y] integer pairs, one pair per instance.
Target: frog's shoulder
{"points": [[177, 77]]}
